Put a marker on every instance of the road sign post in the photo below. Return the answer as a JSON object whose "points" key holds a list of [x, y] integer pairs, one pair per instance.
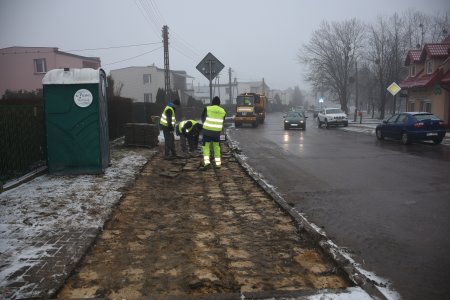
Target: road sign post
{"points": [[210, 67], [394, 88]]}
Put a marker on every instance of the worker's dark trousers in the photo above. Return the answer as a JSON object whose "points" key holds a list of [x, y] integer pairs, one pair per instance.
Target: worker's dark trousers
{"points": [[169, 142]]}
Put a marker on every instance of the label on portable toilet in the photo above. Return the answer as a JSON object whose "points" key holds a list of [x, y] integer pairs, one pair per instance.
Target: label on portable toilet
{"points": [[83, 98]]}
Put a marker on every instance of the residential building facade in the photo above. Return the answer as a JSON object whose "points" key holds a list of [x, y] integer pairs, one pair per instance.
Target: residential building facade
{"points": [[142, 83], [428, 83], [22, 68], [286, 96], [224, 91]]}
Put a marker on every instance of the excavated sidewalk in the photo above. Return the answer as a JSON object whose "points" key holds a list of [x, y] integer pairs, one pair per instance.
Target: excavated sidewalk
{"points": [[178, 232]]}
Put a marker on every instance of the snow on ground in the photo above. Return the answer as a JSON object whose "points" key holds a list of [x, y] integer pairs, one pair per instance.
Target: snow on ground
{"points": [[355, 293], [48, 203]]}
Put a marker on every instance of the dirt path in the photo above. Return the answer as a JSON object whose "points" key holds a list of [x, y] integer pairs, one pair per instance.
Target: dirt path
{"points": [[199, 233]]}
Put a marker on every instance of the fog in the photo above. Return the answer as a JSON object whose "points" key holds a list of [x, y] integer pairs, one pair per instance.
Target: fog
{"points": [[256, 39]]}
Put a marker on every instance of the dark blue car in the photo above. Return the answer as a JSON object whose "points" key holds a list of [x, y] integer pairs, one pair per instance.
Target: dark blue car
{"points": [[412, 126]]}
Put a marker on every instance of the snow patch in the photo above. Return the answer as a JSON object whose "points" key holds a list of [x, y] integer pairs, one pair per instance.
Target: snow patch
{"points": [[52, 203]]}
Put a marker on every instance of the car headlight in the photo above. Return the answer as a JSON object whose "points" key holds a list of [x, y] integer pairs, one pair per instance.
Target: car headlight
{"points": [[286, 121]]}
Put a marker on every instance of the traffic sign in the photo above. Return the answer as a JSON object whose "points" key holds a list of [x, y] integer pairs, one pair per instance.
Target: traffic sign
{"points": [[394, 89], [210, 66]]}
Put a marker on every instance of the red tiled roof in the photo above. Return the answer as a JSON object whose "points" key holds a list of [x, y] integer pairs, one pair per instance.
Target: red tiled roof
{"points": [[435, 50], [409, 81], [423, 81], [412, 57]]}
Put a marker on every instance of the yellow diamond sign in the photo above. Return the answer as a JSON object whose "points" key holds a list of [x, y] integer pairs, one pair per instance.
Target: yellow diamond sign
{"points": [[394, 89]]}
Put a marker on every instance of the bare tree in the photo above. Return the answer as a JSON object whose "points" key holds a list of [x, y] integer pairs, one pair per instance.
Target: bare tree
{"points": [[330, 56], [417, 27], [440, 26], [386, 50], [389, 40], [398, 48]]}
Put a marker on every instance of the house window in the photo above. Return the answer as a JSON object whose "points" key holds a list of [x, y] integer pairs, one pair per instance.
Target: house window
{"points": [[429, 66], [413, 71], [148, 98], [426, 106], [147, 78], [412, 106], [40, 66]]}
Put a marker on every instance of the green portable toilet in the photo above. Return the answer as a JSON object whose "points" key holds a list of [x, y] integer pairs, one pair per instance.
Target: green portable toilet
{"points": [[76, 119]]}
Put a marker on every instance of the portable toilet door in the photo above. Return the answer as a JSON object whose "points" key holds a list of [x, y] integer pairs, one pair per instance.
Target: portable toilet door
{"points": [[76, 119]]}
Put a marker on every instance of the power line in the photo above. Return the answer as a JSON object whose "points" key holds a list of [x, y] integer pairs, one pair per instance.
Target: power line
{"points": [[153, 13], [158, 14], [149, 9], [186, 51], [150, 13], [184, 54], [130, 58], [113, 47], [186, 44], [151, 22]]}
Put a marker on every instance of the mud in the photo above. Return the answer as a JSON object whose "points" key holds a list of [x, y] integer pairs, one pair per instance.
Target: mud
{"points": [[197, 233]]}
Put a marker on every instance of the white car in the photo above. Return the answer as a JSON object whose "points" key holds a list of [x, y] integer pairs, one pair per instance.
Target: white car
{"points": [[332, 116]]}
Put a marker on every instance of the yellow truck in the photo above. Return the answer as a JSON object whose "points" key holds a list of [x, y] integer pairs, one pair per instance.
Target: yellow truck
{"points": [[250, 109]]}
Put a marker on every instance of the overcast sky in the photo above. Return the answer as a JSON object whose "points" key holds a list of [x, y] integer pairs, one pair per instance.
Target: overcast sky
{"points": [[255, 38]]}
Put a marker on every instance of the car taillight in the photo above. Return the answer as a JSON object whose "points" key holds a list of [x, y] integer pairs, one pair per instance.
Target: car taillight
{"points": [[418, 125]]}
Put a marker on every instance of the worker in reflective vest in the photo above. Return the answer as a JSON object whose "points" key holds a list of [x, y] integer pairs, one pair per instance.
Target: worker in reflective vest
{"points": [[189, 131], [213, 117], [167, 123]]}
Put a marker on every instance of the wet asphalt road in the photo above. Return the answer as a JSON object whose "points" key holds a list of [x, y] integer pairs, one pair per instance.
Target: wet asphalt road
{"points": [[389, 204]]}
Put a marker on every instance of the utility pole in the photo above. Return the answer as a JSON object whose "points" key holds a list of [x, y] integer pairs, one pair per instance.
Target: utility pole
{"points": [[165, 35], [217, 84], [356, 90], [229, 86], [263, 89]]}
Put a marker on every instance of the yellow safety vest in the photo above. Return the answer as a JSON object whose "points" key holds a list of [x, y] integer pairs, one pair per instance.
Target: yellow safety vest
{"points": [[214, 118], [163, 120], [181, 125]]}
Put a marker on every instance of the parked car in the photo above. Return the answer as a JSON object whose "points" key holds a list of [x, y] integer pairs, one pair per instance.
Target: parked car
{"points": [[332, 116], [412, 126], [294, 119]]}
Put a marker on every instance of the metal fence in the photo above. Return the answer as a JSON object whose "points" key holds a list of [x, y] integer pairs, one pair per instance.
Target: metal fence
{"points": [[22, 139], [23, 145]]}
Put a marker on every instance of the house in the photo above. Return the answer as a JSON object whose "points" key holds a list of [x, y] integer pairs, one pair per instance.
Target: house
{"points": [[22, 68], [142, 83], [286, 96], [428, 83], [223, 90]]}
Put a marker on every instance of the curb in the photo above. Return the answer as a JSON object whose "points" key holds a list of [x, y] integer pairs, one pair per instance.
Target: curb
{"points": [[42, 170], [348, 265], [25, 178]]}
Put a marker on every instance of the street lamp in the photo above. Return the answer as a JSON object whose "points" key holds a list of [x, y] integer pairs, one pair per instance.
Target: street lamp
{"points": [[321, 101]]}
